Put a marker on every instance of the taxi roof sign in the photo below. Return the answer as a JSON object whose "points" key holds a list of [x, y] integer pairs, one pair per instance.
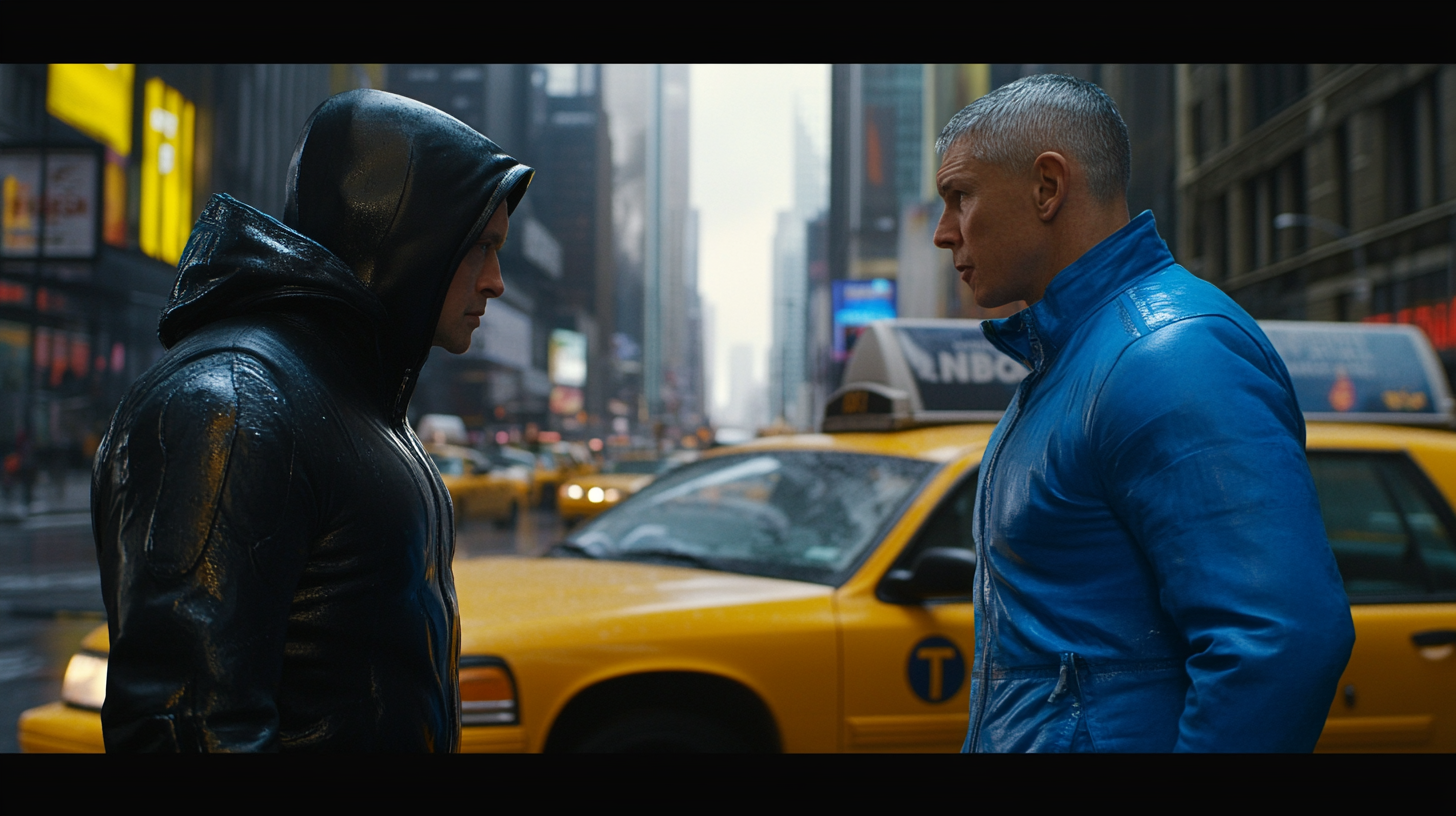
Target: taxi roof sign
{"points": [[1383, 373], [908, 372]]}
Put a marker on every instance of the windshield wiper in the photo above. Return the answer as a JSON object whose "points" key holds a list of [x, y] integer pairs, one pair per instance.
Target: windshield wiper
{"points": [[666, 555], [571, 549]]}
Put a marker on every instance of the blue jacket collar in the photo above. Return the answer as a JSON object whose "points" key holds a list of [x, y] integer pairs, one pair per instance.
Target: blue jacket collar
{"points": [[1035, 335]]}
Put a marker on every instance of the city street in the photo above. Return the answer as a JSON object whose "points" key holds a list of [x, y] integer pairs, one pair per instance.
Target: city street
{"points": [[50, 592], [840, 419]]}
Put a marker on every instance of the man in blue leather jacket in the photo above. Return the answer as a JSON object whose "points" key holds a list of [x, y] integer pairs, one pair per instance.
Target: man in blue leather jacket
{"points": [[1154, 573]]}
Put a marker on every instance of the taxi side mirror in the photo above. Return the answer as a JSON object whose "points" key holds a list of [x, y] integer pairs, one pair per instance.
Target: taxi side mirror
{"points": [[939, 572]]}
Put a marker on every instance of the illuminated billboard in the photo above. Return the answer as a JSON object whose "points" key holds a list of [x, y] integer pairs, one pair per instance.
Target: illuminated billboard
{"points": [[72, 181], [94, 99], [566, 358], [858, 303], [166, 184], [565, 400]]}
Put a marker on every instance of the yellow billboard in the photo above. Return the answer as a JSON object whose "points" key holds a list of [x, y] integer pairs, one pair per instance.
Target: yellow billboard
{"points": [[94, 99], [166, 183]]}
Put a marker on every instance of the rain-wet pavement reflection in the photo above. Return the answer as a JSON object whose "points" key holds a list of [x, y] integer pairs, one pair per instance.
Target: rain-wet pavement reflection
{"points": [[50, 595]]}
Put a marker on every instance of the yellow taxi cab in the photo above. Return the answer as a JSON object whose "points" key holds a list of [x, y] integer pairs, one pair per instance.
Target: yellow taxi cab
{"points": [[576, 458], [524, 462], [479, 489], [588, 496], [551, 471], [812, 592]]}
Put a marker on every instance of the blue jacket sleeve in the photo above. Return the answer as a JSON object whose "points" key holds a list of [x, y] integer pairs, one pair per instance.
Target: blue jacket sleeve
{"points": [[1204, 464], [202, 535]]}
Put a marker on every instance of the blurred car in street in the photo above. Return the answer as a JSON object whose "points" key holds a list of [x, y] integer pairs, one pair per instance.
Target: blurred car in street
{"points": [[550, 473], [575, 458], [508, 456], [588, 496], [480, 489], [441, 429], [812, 592]]}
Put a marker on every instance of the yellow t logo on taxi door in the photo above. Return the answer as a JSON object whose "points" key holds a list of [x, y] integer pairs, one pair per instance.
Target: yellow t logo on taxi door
{"points": [[936, 655]]}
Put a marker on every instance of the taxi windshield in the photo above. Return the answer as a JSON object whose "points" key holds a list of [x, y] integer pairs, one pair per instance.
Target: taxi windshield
{"points": [[637, 466], [449, 465], [802, 515]]}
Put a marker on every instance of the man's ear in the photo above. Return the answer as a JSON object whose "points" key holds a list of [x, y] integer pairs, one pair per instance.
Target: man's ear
{"points": [[1053, 171]]}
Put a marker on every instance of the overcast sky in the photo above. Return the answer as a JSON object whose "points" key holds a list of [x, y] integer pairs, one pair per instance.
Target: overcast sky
{"points": [[742, 175]]}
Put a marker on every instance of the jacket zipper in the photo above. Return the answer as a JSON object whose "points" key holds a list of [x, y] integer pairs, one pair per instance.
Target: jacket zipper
{"points": [[422, 460], [1068, 659], [982, 556]]}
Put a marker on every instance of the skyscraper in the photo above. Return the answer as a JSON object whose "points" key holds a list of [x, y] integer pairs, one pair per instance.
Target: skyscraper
{"points": [[790, 398], [658, 335]]}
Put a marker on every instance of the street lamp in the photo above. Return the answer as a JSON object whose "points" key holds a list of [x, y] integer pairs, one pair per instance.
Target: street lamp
{"points": [[1361, 289]]}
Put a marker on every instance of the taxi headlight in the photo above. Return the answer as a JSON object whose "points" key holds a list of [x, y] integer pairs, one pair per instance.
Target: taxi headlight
{"points": [[572, 491], [85, 683], [613, 494], [487, 692]]}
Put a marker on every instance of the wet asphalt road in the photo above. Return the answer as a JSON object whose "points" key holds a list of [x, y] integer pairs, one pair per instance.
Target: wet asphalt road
{"points": [[50, 597], [50, 590]]}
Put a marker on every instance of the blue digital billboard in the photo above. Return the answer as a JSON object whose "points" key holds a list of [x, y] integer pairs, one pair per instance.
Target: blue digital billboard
{"points": [[857, 303]]}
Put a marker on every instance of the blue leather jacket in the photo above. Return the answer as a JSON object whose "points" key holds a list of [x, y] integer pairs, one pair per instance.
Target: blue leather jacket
{"points": [[1154, 569]]}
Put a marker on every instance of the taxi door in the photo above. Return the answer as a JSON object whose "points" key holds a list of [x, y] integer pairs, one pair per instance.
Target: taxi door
{"points": [[1391, 533], [906, 668]]}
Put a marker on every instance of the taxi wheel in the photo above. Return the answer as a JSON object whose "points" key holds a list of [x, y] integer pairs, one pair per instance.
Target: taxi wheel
{"points": [[662, 731]]}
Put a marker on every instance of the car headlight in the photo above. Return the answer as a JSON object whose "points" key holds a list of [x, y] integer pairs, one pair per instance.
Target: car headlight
{"points": [[613, 494], [487, 692], [572, 491], [85, 683], [595, 495]]}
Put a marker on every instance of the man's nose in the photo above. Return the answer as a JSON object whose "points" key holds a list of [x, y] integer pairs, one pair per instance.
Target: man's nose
{"points": [[490, 283], [946, 233]]}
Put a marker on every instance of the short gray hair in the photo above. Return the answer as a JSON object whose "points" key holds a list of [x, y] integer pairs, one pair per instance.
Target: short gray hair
{"points": [[1015, 123]]}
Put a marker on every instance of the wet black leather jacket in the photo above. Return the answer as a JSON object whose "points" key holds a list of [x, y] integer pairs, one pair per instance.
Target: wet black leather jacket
{"points": [[274, 543]]}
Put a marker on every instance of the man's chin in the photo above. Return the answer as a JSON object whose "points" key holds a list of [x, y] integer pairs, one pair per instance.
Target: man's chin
{"points": [[453, 346], [990, 300], [998, 306]]}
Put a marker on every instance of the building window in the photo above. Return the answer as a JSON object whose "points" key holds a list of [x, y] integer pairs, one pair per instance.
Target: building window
{"points": [[1276, 87], [1210, 237], [1411, 172], [1197, 125], [1344, 176], [1291, 196], [1257, 216], [1222, 113]]}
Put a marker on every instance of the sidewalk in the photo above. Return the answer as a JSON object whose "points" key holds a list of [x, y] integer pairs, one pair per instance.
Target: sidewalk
{"points": [[71, 496]]}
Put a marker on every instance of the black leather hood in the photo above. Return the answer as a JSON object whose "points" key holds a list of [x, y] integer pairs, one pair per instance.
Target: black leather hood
{"points": [[239, 259], [399, 191], [385, 196]]}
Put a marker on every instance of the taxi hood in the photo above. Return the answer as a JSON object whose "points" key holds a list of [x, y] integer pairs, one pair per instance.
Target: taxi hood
{"points": [[625, 481], [505, 602]]}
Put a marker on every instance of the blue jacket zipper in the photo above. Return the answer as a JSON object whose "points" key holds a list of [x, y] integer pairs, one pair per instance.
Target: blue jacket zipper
{"points": [[982, 554]]}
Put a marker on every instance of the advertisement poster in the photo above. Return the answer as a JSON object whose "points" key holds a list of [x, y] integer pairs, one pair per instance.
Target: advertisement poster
{"points": [[858, 303], [1359, 368], [72, 198], [566, 358]]}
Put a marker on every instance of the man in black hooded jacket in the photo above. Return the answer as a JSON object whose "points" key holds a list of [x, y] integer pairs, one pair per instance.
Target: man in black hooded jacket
{"points": [[275, 545]]}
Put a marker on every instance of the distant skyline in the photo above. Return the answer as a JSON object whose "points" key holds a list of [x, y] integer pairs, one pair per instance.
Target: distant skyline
{"points": [[742, 132]]}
